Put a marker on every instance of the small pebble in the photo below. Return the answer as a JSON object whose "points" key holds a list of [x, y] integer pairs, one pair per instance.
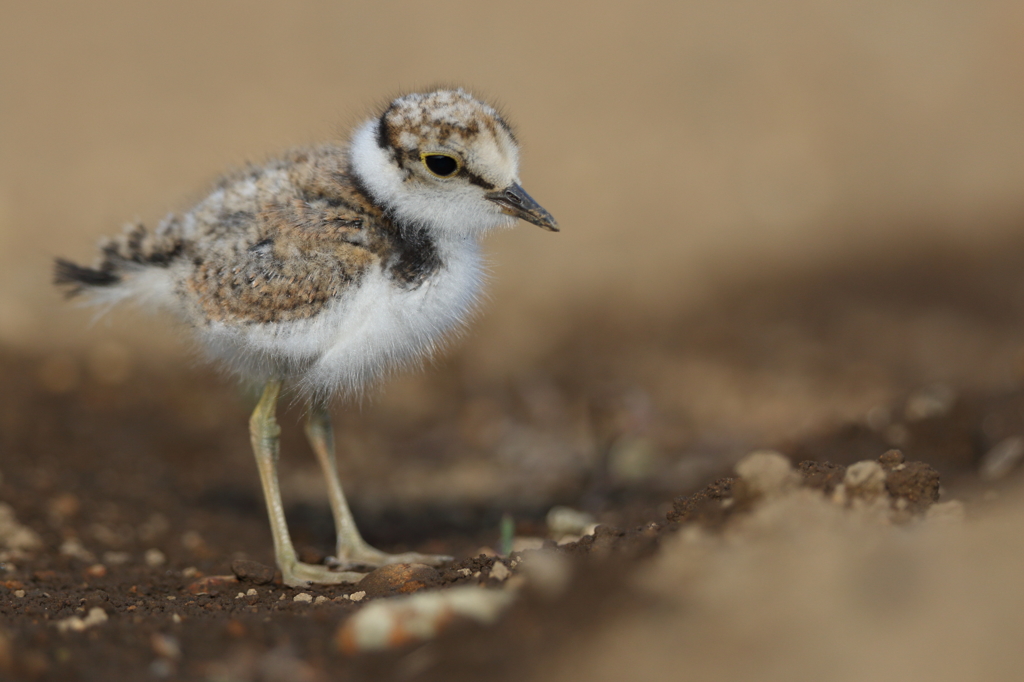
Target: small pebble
{"points": [[303, 598], [20, 594], [568, 521], [357, 596], [165, 646], [211, 584], [240, 595], [96, 571], [154, 558], [864, 479], [251, 592], [175, 618], [401, 578], [767, 472], [116, 558], [321, 599], [396, 621], [499, 571], [95, 616]]}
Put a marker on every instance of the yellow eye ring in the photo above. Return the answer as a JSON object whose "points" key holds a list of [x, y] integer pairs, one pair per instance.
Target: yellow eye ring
{"points": [[441, 165]]}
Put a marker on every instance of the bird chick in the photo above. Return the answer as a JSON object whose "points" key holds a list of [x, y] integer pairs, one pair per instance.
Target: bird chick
{"points": [[327, 268]]}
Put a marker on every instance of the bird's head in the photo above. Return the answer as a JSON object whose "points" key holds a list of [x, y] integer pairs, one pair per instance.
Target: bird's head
{"points": [[446, 161]]}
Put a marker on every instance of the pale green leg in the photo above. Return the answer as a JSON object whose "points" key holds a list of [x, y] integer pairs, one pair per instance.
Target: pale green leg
{"points": [[265, 432], [352, 550]]}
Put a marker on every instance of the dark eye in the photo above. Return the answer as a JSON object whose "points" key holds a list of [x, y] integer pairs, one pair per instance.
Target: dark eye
{"points": [[441, 165]]}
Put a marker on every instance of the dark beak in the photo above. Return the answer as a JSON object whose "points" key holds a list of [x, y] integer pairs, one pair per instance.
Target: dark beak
{"points": [[516, 202]]}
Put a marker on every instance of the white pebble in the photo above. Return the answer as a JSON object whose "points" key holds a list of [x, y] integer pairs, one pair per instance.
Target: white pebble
{"points": [[767, 472], [321, 599], [303, 597], [95, 616], [866, 479], [357, 596], [568, 521], [396, 621], [154, 557], [499, 571], [251, 592]]}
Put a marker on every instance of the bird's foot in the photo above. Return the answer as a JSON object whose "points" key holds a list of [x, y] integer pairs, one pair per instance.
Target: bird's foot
{"points": [[299, 574], [368, 558]]}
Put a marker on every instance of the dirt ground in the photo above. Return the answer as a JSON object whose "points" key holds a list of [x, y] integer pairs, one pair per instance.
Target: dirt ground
{"points": [[136, 486]]}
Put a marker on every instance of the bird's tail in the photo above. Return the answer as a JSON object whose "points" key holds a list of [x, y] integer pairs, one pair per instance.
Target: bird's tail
{"points": [[121, 261]]}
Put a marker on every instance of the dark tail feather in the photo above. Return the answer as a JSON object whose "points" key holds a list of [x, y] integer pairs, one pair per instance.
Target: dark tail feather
{"points": [[68, 273]]}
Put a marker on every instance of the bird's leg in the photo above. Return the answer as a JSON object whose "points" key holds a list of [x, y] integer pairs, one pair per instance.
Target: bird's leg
{"points": [[352, 551], [264, 431]]}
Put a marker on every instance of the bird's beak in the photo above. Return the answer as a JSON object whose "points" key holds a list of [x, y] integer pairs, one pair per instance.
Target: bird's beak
{"points": [[514, 201]]}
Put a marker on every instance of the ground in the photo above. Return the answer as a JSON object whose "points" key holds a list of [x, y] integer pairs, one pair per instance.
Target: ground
{"points": [[129, 488]]}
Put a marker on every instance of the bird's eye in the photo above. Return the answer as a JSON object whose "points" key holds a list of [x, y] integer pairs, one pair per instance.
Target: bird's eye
{"points": [[441, 165]]}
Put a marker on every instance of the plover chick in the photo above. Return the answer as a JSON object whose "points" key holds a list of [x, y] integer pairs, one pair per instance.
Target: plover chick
{"points": [[326, 268]]}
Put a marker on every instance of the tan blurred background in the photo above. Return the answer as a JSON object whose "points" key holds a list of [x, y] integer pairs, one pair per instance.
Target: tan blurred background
{"points": [[686, 149]]}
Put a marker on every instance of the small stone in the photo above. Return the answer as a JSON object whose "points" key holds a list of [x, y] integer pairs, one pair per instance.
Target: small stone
{"points": [[891, 459], [251, 592], [915, 481], [568, 521], [499, 571], [398, 621], [465, 572], [357, 596], [96, 616], [175, 618], [190, 572], [211, 584], [303, 598], [165, 646], [398, 578], [116, 558], [192, 541], [864, 479], [154, 558], [767, 473], [20, 594], [253, 571], [321, 599], [240, 595], [96, 571], [73, 547]]}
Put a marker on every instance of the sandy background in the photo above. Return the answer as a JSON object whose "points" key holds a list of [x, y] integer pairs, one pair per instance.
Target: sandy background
{"points": [[679, 145]]}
